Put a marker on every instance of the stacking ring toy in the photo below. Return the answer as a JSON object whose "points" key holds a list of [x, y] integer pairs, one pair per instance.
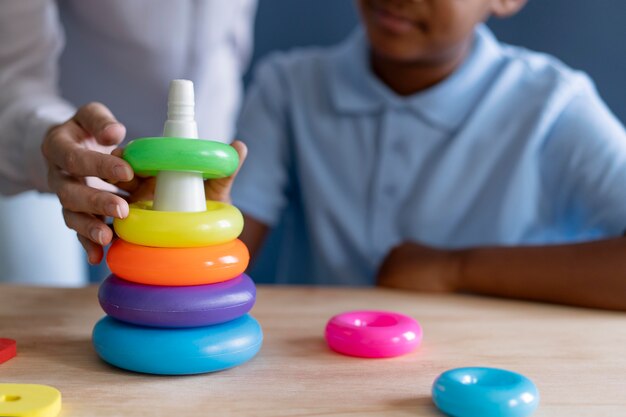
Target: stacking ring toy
{"points": [[178, 266], [220, 223], [158, 306], [485, 392], [29, 400], [373, 334], [177, 351], [148, 156]]}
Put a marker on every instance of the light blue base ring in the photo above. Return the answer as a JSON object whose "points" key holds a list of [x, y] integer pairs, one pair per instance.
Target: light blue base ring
{"points": [[177, 351]]}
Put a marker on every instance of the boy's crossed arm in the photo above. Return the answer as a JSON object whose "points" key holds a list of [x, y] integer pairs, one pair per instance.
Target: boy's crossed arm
{"points": [[591, 274]]}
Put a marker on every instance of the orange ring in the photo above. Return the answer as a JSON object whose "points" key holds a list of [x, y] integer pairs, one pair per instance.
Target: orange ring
{"points": [[178, 266]]}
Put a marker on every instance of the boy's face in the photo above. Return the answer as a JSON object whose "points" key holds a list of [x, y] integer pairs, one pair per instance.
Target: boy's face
{"points": [[426, 31]]}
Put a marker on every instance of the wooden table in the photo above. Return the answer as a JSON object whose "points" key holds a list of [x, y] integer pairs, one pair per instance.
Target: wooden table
{"points": [[576, 357]]}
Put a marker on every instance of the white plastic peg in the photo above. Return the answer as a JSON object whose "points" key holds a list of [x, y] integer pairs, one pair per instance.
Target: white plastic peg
{"points": [[180, 191]]}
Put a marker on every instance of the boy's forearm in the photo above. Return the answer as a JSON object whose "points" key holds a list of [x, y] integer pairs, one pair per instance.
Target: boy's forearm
{"points": [[587, 274], [253, 235]]}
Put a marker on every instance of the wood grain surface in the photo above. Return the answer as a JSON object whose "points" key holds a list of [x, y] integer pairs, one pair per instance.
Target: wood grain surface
{"points": [[576, 357]]}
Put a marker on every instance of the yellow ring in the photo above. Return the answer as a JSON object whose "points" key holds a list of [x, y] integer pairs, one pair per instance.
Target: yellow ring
{"points": [[220, 223]]}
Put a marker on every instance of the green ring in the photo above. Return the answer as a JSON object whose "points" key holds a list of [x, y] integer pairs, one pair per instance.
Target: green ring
{"points": [[148, 156]]}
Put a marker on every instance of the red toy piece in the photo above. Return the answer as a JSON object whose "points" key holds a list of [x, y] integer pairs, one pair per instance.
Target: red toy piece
{"points": [[8, 349]]}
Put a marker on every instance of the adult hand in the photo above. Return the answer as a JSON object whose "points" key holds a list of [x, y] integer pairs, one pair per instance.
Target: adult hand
{"points": [[81, 148], [417, 267]]}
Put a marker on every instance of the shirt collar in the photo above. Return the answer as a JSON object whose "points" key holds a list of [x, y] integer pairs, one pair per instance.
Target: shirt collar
{"points": [[355, 89]]}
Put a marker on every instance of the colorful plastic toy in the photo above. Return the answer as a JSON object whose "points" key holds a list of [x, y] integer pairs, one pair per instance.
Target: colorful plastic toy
{"points": [[8, 349], [149, 156], [177, 351], [373, 334], [178, 299], [485, 392], [29, 400], [219, 223], [178, 266], [158, 306]]}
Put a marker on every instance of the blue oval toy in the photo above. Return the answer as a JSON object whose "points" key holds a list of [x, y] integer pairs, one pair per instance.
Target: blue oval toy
{"points": [[485, 392], [177, 351]]}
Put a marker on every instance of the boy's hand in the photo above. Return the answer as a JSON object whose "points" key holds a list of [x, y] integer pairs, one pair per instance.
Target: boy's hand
{"points": [[416, 267], [219, 189]]}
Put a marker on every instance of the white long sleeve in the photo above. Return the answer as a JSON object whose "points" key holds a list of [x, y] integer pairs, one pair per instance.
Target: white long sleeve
{"points": [[30, 103], [122, 53]]}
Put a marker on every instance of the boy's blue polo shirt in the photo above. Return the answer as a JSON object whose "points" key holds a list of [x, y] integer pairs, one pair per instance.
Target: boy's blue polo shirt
{"points": [[513, 148]]}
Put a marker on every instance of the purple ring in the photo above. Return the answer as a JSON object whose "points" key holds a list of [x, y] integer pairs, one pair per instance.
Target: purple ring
{"points": [[190, 306]]}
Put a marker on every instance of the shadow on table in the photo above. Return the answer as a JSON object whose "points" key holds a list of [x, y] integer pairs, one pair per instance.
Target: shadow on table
{"points": [[305, 347], [423, 403], [80, 355], [73, 353]]}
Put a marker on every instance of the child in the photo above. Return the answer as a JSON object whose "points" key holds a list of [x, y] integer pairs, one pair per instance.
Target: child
{"points": [[423, 154]]}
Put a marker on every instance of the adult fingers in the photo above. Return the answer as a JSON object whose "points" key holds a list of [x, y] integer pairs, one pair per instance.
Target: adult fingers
{"points": [[139, 188], [95, 253], [78, 197], [128, 186], [96, 119], [62, 148], [88, 226]]}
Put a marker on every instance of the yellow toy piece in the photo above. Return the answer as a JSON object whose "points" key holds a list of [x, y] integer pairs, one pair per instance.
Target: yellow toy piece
{"points": [[219, 223], [29, 400]]}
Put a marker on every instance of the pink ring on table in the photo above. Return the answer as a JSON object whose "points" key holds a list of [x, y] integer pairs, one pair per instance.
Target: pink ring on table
{"points": [[373, 334]]}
